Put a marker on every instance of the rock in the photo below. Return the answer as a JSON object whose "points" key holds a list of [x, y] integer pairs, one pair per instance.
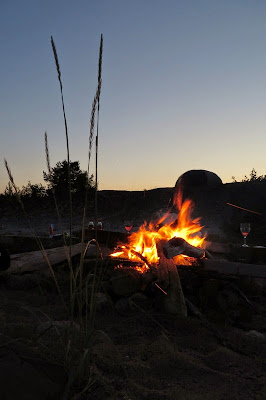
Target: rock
{"points": [[126, 281], [208, 293], [103, 303], [140, 299], [91, 250], [24, 375], [21, 282], [123, 306], [106, 286], [256, 334], [228, 300], [18, 330], [199, 178]]}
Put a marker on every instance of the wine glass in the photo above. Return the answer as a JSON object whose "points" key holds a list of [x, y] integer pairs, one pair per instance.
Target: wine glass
{"points": [[128, 225], [245, 229]]}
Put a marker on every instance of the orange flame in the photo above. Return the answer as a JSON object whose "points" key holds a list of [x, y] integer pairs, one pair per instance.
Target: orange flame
{"points": [[144, 241]]}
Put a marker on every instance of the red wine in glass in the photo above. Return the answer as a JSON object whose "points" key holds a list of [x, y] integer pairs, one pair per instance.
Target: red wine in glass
{"points": [[128, 226], [245, 229]]}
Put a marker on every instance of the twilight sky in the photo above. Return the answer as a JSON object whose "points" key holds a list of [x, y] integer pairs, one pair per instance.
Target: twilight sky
{"points": [[184, 87]]}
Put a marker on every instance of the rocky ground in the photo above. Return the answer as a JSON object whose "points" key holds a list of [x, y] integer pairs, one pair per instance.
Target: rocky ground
{"points": [[138, 351]]}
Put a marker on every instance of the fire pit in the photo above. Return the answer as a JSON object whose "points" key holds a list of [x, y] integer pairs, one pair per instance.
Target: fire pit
{"points": [[155, 250], [184, 249], [156, 258]]}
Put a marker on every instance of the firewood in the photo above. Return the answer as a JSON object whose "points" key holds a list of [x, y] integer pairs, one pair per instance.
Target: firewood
{"points": [[144, 259], [168, 278], [176, 246]]}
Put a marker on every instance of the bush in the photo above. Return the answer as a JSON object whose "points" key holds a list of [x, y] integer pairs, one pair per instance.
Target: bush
{"points": [[58, 179]]}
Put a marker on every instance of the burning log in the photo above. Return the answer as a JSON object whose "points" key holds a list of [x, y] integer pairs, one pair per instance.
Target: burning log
{"points": [[144, 259], [177, 246], [168, 277]]}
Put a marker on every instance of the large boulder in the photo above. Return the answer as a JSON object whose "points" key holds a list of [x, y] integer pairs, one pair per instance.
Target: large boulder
{"points": [[198, 177], [206, 190]]}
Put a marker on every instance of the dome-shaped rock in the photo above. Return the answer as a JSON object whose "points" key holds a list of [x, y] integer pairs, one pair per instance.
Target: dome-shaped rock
{"points": [[198, 177]]}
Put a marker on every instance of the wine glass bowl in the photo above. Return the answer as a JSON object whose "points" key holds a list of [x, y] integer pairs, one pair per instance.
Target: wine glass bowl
{"points": [[128, 224], [245, 229]]}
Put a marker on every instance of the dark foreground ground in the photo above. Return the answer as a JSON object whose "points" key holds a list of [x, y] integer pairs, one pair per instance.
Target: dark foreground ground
{"points": [[138, 351]]}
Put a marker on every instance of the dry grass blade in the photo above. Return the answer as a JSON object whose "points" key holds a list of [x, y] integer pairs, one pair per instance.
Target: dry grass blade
{"points": [[97, 133], [47, 154], [96, 101], [100, 61], [91, 137], [75, 373], [56, 58], [11, 179], [62, 98], [55, 201], [92, 123], [68, 161]]}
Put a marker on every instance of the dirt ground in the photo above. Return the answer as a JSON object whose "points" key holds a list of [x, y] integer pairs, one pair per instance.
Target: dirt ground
{"points": [[141, 353]]}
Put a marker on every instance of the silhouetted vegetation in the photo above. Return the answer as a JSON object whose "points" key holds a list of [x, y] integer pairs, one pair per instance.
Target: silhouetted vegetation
{"points": [[57, 180], [33, 190], [253, 177]]}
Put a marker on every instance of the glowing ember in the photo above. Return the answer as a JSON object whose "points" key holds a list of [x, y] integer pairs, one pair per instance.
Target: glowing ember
{"points": [[140, 268], [144, 241]]}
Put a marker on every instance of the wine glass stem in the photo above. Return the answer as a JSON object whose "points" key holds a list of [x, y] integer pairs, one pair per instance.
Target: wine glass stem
{"points": [[245, 240]]}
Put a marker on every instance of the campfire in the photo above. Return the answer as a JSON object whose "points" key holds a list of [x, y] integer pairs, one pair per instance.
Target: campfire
{"points": [[182, 238], [159, 262]]}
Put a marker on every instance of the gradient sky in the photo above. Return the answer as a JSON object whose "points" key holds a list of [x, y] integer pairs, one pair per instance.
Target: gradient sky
{"points": [[184, 87]]}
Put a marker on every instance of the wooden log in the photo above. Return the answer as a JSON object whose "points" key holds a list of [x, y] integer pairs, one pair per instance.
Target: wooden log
{"points": [[235, 268], [168, 278], [35, 261], [176, 246]]}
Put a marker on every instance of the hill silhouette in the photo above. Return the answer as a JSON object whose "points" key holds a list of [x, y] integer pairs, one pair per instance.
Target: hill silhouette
{"points": [[221, 220]]}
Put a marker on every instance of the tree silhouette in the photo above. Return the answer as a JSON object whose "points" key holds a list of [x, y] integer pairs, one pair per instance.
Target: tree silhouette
{"points": [[58, 179]]}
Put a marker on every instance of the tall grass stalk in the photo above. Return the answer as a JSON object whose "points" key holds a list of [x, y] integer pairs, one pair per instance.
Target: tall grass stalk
{"points": [[87, 300], [95, 285], [67, 252], [97, 131], [53, 193], [95, 106], [68, 161], [96, 282], [92, 123], [78, 337]]}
